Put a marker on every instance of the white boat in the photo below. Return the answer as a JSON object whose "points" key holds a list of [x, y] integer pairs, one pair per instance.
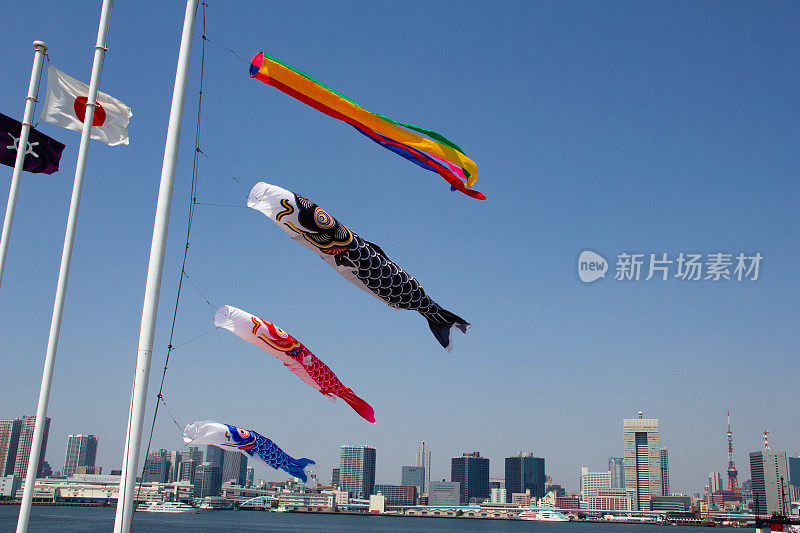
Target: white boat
{"points": [[167, 507], [543, 516], [212, 502]]}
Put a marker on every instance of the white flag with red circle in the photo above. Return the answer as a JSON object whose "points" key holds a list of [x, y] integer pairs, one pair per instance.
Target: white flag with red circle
{"points": [[65, 106]]}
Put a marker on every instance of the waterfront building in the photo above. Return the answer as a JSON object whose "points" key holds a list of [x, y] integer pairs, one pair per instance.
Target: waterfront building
{"points": [[524, 472], [86, 469], [770, 480], [307, 501], [523, 499], [497, 495], [357, 470], [443, 493], [714, 482], [188, 467], [250, 476], [670, 503], [413, 476], [617, 469], [424, 460], [664, 472], [398, 494], [81, 451], [207, 480], [335, 477], [591, 483], [9, 485], [568, 501], [9, 440], [24, 446], [642, 460], [156, 469], [610, 499], [234, 467], [472, 472]]}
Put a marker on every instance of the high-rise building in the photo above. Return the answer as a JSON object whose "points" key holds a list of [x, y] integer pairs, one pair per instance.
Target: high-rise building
{"points": [[413, 476], [335, 479], [617, 469], [215, 455], [424, 460], [593, 483], [472, 472], [524, 472], [642, 460], [357, 470], [81, 451], [664, 472], [9, 440], [794, 470], [25, 443], [250, 477], [189, 461], [207, 480], [714, 482], [234, 467], [156, 467], [770, 482]]}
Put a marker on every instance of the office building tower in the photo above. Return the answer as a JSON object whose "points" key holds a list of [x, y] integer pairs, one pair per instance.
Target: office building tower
{"points": [[335, 477], [9, 440], [250, 477], [642, 460], [770, 482], [156, 467], [215, 455], [443, 493], [593, 483], [524, 472], [472, 472], [794, 470], [234, 467], [413, 476], [664, 472], [25, 443], [424, 460], [207, 480], [188, 462], [398, 494], [617, 469], [357, 470], [714, 482], [81, 451]]}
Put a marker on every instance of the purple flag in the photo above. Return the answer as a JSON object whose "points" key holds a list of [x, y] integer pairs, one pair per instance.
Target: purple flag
{"points": [[41, 155]]}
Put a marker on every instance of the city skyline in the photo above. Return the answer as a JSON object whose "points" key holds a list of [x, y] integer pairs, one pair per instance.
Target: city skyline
{"points": [[620, 128]]}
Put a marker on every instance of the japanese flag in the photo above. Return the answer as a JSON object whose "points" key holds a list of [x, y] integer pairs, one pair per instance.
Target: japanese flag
{"points": [[65, 106]]}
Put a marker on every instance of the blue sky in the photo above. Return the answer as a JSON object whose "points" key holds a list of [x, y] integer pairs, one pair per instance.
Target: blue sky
{"points": [[647, 127]]}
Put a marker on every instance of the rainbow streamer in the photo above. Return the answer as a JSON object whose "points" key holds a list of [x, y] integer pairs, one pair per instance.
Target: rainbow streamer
{"points": [[434, 152]]}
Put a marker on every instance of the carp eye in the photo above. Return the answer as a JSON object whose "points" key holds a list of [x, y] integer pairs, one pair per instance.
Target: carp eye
{"points": [[323, 219], [280, 332], [244, 433]]}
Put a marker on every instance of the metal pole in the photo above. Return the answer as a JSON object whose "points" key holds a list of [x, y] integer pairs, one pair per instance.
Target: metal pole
{"points": [[39, 48], [155, 268], [63, 273]]}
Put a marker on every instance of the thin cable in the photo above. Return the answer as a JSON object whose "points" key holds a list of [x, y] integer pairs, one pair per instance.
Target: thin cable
{"points": [[193, 339], [224, 205], [198, 289], [192, 202], [238, 181], [231, 50]]}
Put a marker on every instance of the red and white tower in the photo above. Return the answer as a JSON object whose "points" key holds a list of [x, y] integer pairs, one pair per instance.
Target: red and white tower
{"points": [[733, 484]]}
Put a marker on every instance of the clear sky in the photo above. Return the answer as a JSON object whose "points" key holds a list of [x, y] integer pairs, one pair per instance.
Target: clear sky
{"points": [[645, 127]]}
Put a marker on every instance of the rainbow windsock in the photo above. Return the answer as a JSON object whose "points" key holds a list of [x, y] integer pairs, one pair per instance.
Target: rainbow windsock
{"points": [[434, 152]]}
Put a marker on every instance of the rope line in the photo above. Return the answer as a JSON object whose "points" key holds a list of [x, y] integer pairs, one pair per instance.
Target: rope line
{"points": [[192, 203], [240, 182], [224, 205], [192, 339], [231, 50], [198, 289]]}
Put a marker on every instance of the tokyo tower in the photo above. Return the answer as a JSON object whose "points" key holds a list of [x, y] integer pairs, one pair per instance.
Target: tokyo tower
{"points": [[733, 484]]}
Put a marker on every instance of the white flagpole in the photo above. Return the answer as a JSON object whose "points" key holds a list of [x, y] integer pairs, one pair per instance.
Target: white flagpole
{"points": [[63, 274], [125, 502], [22, 145]]}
